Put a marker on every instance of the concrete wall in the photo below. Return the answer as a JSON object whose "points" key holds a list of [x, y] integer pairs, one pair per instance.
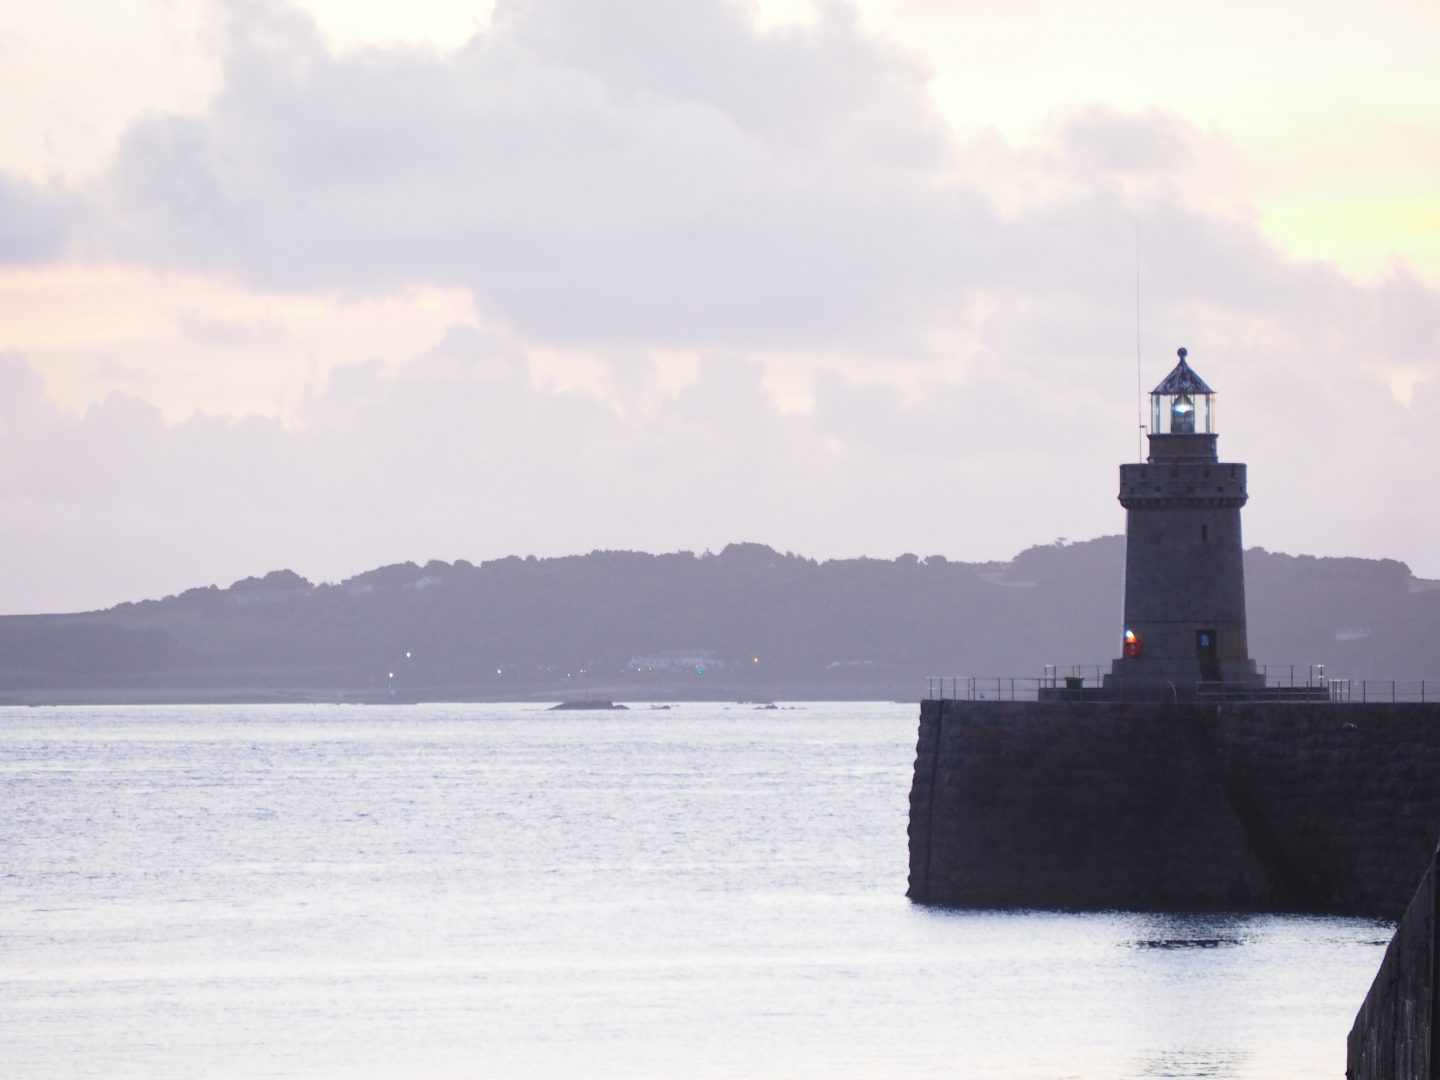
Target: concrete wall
{"points": [[1394, 1033], [1260, 806]]}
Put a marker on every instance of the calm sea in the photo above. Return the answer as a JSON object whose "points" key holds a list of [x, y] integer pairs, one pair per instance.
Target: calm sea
{"points": [[501, 891]]}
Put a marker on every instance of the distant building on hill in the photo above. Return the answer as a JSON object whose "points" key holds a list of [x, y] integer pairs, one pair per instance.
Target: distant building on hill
{"points": [[686, 661]]}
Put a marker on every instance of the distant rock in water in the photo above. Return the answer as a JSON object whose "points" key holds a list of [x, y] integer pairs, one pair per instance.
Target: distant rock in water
{"points": [[588, 705]]}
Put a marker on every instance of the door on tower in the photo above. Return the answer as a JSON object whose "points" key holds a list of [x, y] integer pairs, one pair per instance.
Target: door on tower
{"points": [[1207, 650]]}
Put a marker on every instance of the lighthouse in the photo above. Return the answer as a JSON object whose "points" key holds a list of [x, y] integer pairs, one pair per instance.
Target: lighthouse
{"points": [[1184, 621]]}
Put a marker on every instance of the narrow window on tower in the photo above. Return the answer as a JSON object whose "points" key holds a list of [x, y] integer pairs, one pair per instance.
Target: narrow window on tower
{"points": [[1204, 534]]}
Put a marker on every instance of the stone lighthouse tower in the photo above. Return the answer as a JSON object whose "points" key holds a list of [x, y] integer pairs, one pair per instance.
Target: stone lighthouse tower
{"points": [[1184, 574]]}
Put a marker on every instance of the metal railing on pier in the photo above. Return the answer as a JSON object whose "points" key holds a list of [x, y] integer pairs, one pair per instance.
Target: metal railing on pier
{"points": [[1053, 684], [1307, 684], [1393, 690]]}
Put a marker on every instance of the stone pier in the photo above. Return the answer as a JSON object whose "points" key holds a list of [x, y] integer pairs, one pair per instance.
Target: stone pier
{"points": [[1249, 806]]}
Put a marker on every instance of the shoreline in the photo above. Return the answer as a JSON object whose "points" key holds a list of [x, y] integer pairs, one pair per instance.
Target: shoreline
{"points": [[758, 695]]}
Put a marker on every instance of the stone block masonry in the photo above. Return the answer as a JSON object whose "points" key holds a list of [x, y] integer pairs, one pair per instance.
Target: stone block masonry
{"points": [[1395, 1030], [1254, 806]]}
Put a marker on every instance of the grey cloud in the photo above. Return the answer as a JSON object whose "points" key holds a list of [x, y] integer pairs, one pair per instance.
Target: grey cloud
{"points": [[22, 390], [472, 348], [631, 200], [1100, 138], [37, 224], [647, 174], [199, 328], [790, 86], [1410, 316], [358, 380], [386, 464]]}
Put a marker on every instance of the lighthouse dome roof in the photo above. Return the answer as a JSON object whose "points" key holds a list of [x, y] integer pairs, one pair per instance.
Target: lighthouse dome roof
{"points": [[1182, 380]]}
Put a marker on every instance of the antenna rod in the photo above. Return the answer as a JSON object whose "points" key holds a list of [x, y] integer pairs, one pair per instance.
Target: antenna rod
{"points": [[1139, 378]]}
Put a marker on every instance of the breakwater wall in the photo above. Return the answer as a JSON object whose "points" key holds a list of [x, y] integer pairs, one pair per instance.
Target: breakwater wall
{"points": [[1395, 1031], [1260, 806]]}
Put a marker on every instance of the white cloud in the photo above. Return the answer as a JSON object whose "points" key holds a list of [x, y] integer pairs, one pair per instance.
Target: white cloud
{"points": [[787, 189]]}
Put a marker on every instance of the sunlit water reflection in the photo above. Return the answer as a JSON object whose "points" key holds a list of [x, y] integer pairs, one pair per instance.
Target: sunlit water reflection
{"points": [[447, 891]]}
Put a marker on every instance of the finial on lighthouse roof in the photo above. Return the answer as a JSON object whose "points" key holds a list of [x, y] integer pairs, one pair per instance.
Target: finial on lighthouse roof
{"points": [[1182, 352]]}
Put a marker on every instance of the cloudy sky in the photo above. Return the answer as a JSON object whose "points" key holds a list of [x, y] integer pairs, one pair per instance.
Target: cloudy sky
{"points": [[325, 284]]}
